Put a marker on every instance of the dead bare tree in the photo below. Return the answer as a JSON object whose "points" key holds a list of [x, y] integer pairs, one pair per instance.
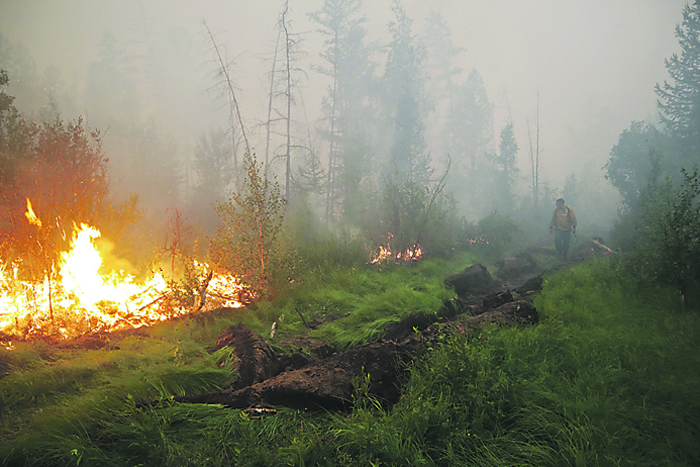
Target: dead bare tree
{"points": [[282, 86], [288, 69], [535, 166], [269, 121], [233, 101]]}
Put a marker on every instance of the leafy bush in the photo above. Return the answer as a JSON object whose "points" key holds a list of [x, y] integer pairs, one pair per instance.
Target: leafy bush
{"points": [[494, 234], [669, 246], [246, 242], [61, 172]]}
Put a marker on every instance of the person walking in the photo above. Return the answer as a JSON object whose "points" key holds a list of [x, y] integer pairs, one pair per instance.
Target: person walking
{"points": [[563, 224]]}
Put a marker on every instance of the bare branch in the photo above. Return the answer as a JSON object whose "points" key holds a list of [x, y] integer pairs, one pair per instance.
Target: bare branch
{"points": [[229, 83]]}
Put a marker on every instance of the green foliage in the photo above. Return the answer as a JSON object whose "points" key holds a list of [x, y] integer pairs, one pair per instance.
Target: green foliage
{"points": [[638, 148], [246, 243], [668, 249], [632, 160], [494, 234], [679, 100]]}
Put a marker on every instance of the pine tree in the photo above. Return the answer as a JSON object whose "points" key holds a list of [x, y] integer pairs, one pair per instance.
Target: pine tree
{"points": [[16, 60], [505, 169], [443, 86], [470, 132], [159, 180], [16, 135], [679, 100], [109, 94], [471, 123], [404, 82], [312, 174], [347, 62], [215, 172], [213, 164]]}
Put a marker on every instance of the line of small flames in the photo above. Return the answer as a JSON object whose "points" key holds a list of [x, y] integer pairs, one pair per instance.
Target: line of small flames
{"points": [[409, 254]]}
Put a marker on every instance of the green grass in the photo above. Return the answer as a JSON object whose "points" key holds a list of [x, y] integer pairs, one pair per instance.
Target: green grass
{"points": [[356, 304], [609, 377]]}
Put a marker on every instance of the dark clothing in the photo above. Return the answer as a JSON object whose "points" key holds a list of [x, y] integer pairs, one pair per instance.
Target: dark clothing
{"points": [[562, 239]]}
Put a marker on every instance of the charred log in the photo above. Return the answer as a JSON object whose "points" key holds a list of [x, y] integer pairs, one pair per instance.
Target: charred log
{"points": [[256, 359], [473, 280], [326, 384]]}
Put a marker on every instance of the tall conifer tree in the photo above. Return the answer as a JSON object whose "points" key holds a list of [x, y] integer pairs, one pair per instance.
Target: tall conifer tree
{"points": [[404, 83], [347, 62], [679, 100]]}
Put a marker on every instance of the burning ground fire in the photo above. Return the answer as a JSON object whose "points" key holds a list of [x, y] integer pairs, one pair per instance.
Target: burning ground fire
{"points": [[77, 299], [385, 254]]}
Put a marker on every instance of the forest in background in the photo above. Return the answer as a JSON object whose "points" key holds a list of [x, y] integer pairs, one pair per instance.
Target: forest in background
{"points": [[382, 102], [607, 377]]}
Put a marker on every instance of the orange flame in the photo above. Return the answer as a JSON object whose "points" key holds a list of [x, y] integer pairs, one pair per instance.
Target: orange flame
{"points": [[31, 217], [79, 300], [412, 253]]}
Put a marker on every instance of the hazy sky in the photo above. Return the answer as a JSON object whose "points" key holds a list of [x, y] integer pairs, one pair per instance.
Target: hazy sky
{"points": [[594, 63]]}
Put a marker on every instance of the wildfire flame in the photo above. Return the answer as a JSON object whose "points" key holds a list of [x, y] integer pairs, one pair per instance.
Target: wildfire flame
{"points": [[385, 254], [77, 299], [31, 217]]}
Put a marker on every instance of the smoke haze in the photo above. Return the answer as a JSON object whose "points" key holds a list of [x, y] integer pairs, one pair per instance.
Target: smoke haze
{"points": [[590, 66]]}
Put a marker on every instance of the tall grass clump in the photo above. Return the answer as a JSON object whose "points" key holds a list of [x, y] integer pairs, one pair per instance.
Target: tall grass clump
{"points": [[622, 366], [607, 378], [353, 306], [54, 397]]}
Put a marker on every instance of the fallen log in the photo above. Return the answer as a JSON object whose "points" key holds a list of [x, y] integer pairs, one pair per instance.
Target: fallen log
{"points": [[326, 384]]}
